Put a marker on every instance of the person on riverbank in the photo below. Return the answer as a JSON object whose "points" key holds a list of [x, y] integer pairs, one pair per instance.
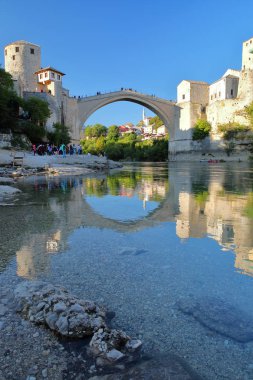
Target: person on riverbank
{"points": [[63, 150], [34, 149]]}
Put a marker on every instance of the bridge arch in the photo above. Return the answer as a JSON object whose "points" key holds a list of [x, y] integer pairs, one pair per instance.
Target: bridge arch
{"points": [[166, 110]]}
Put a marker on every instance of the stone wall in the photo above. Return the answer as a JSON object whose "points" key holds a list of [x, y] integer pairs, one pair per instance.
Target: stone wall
{"points": [[5, 140]]}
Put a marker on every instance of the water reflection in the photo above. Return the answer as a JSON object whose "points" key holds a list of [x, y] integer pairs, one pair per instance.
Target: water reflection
{"points": [[214, 202], [127, 196]]}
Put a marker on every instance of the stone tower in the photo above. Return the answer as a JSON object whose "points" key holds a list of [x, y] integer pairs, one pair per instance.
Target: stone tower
{"points": [[245, 90], [247, 55], [22, 60]]}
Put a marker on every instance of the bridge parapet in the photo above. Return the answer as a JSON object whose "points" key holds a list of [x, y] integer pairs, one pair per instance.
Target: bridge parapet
{"points": [[125, 92]]}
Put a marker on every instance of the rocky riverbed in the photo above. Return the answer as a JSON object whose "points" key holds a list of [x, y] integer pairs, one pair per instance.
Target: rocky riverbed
{"points": [[38, 322]]}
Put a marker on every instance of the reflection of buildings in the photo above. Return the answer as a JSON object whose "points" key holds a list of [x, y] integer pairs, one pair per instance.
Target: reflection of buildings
{"points": [[221, 217], [207, 210], [29, 262], [152, 191]]}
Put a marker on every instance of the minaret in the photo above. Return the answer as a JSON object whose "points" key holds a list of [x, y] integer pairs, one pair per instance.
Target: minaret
{"points": [[144, 118], [143, 115]]}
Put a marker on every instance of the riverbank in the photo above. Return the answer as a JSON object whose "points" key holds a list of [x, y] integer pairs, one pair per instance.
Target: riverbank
{"points": [[46, 162]]}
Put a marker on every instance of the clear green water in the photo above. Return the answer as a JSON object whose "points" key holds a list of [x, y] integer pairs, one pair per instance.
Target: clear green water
{"points": [[141, 240]]}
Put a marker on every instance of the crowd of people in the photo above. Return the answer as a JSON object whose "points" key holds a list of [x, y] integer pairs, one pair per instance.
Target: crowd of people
{"points": [[51, 149]]}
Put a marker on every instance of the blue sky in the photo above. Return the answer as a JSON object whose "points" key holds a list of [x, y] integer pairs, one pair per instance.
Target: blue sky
{"points": [[147, 45]]}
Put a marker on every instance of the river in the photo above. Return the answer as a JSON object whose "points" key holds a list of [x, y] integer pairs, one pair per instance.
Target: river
{"points": [[168, 248]]}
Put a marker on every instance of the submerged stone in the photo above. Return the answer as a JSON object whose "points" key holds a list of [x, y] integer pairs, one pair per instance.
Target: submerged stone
{"points": [[219, 316], [165, 368]]}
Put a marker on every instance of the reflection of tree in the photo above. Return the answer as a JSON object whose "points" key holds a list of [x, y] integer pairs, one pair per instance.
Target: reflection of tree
{"points": [[96, 187], [201, 197], [249, 206], [126, 184]]}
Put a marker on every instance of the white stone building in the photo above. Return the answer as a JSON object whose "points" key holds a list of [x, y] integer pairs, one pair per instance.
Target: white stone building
{"points": [[225, 87], [220, 102]]}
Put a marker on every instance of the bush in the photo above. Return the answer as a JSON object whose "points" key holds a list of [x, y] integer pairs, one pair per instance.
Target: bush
{"points": [[231, 130], [60, 134], [201, 130]]}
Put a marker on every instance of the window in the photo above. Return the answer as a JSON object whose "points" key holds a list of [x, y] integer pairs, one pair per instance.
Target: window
{"points": [[32, 51], [13, 57], [232, 92], [41, 75], [53, 75], [46, 75], [183, 96], [58, 77], [219, 94], [5, 51], [17, 49], [215, 95], [211, 97]]}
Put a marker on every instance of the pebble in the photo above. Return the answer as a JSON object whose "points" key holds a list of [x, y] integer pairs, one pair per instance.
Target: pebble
{"points": [[44, 372], [36, 335], [3, 310]]}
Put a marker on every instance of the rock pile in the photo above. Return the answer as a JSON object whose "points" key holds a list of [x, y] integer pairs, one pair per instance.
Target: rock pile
{"points": [[110, 346], [69, 316]]}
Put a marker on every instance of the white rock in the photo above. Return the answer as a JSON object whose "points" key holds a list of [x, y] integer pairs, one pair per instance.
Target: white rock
{"points": [[133, 345], [44, 372], [114, 355]]}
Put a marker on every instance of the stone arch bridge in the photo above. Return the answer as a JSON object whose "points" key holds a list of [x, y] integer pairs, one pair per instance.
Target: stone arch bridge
{"points": [[168, 111]]}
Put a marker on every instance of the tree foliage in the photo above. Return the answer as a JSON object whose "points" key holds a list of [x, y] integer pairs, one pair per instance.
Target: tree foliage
{"points": [[37, 109], [232, 130], [156, 121], [9, 102], [201, 129], [113, 133], [59, 135], [249, 112], [95, 131], [127, 147]]}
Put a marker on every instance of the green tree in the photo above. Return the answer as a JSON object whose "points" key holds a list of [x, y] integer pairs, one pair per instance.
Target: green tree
{"points": [[156, 121], [113, 133], [201, 129], [249, 112], [94, 131], [38, 112], [37, 109], [9, 102], [60, 134], [100, 145]]}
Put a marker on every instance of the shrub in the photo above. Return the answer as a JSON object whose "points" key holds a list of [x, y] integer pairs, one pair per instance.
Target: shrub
{"points": [[201, 130], [59, 135], [231, 130]]}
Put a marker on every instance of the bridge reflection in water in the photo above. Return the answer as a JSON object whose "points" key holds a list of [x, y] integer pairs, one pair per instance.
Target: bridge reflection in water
{"points": [[202, 201]]}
